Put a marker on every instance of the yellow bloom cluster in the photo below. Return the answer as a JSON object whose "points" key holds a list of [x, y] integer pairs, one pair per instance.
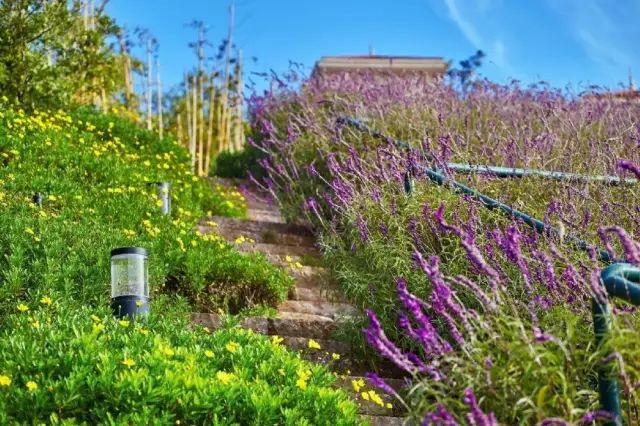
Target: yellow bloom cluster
{"points": [[232, 347], [291, 263], [303, 377], [224, 377]]}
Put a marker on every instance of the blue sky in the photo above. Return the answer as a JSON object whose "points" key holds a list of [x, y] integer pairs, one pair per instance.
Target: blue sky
{"points": [[576, 42]]}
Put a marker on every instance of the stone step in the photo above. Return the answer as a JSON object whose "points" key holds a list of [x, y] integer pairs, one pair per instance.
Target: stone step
{"points": [[333, 310], [316, 293], [265, 215], [296, 324], [327, 346], [305, 254], [385, 420], [261, 232]]}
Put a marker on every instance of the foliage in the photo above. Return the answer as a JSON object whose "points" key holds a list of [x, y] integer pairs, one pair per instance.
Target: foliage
{"points": [[238, 164], [491, 320], [50, 57], [70, 366], [95, 173], [63, 359]]}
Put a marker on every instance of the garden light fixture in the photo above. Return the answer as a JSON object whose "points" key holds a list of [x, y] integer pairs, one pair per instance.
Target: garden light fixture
{"points": [[164, 197], [129, 282], [37, 199]]}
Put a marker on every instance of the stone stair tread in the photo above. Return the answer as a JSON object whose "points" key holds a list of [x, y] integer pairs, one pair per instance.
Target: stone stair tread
{"points": [[327, 346], [325, 308], [280, 250], [368, 406], [296, 324], [257, 225], [384, 420], [316, 292]]}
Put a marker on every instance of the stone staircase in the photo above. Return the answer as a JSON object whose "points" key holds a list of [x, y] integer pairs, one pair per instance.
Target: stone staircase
{"points": [[315, 307]]}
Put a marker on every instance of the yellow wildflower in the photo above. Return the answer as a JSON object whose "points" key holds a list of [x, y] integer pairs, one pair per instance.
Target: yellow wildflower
{"points": [[313, 344], [303, 376], [225, 377], [232, 347], [276, 340], [208, 353], [5, 380], [365, 396], [95, 318], [139, 303], [144, 331], [128, 362], [335, 356], [389, 406], [124, 323], [357, 384], [168, 351], [46, 300], [22, 307], [32, 386]]}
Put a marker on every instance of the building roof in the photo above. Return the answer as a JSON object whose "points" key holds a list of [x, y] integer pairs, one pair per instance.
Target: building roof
{"points": [[435, 65]]}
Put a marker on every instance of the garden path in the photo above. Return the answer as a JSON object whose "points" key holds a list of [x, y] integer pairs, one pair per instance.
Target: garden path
{"points": [[315, 306]]}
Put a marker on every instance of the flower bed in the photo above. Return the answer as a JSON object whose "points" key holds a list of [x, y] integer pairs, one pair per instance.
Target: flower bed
{"points": [[482, 312], [63, 358]]}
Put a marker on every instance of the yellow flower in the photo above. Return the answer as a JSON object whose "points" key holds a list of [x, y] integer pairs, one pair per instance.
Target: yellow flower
{"points": [[32, 386], [52, 198], [365, 396], [98, 327], [335, 356], [288, 258], [168, 351], [128, 362], [313, 344], [376, 398], [5, 380], [276, 340], [303, 376], [46, 300], [95, 318], [22, 307], [208, 353], [357, 384], [144, 331], [139, 303], [389, 406], [129, 233], [123, 323], [225, 377], [232, 347]]}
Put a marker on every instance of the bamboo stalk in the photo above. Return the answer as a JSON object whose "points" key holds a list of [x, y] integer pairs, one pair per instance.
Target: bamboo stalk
{"points": [[194, 123], [159, 99]]}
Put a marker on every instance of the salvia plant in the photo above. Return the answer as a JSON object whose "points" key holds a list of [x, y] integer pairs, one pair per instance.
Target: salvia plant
{"points": [[490, 320]]}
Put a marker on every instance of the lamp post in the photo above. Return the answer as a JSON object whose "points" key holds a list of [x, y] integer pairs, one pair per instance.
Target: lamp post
{"points": [[129, 282], [164, 196], [37, 199]]}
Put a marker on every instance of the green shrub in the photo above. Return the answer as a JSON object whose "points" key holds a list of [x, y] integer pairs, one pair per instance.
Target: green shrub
{"points": [[238, 164], [61, 365]]}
